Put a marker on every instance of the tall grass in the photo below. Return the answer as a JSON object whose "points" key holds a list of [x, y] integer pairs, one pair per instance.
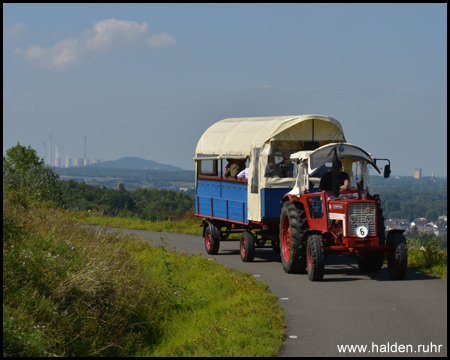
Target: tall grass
{"points": [[70, 291], [426, 255]]}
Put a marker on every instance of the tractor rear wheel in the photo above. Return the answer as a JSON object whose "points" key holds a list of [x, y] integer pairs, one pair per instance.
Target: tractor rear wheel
{"points": [[315, 257], [247, 246], [397, 256], [293, 226], [212, 239]]}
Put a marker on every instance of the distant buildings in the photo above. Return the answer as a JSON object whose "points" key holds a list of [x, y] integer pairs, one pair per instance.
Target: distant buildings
{"points": [[417, 173], [438, 228]]}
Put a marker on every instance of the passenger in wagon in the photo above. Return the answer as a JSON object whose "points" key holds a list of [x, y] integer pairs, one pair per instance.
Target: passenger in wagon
{"points": [[243, 174], [285, 168], [234, 167]]}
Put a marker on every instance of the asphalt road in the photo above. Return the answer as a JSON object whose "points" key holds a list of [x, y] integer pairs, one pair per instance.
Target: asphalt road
{"points": [[390, 318]]}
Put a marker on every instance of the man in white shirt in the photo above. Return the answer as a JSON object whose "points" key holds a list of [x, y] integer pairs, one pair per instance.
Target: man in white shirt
{"points": [[243, 174]]}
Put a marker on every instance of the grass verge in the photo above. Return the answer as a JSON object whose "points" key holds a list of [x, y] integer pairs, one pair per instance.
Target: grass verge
{"points": [[217, 311], [189, 225], [427, 257], [70, 291]]}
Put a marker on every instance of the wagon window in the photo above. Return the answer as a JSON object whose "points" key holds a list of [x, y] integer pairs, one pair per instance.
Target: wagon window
{"points": [[279, 150], [208, 167]]}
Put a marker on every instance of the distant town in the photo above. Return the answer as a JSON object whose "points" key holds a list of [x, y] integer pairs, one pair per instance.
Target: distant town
{"points": [[420, 225]]}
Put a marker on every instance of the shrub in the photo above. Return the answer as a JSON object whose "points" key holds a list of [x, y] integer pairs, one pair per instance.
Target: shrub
{"points": [[26, 174]]}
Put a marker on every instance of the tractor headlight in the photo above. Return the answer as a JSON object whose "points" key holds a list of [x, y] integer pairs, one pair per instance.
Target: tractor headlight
{"points": [[370, 219], [353, 219]]}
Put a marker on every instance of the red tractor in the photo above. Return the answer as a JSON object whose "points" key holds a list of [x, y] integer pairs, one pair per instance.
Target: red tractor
{"points": [[314, 223]]}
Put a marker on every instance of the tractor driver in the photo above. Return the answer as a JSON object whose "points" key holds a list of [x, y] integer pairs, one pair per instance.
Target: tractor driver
{"points": [[326, 183]]}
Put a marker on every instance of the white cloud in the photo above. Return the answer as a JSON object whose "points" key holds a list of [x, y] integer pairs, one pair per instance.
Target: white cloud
{"points": [[62, 53], [14, 32], [161, 40], [106, 35], [113, 33]]}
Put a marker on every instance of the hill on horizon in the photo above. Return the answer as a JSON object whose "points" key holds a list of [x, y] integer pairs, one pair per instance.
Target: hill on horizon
{"points": [[135, 163]]}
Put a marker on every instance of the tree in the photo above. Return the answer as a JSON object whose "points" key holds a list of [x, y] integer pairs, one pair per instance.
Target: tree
{"points": [[26, 173]]}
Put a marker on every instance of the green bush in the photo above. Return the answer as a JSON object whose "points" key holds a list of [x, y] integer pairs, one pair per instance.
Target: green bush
{"points": [[26, 174]]}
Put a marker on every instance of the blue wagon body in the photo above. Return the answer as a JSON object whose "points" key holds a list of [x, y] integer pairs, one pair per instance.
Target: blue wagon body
{"points": [[222, 200], [228, 200]]}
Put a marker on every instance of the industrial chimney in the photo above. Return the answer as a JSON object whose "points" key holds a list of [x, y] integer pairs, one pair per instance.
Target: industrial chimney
{"points": [[50, 151]]}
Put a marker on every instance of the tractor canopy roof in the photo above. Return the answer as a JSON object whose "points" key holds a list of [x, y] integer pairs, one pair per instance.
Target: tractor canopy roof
{"points": [[324, 154], [236, 137]]}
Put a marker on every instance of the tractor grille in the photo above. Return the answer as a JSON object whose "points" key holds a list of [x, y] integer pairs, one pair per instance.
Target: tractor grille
{"points": [[363, 213]]}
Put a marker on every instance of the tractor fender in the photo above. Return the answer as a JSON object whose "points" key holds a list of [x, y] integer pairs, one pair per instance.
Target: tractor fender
{"points": [[288, 197], [394, 231]]}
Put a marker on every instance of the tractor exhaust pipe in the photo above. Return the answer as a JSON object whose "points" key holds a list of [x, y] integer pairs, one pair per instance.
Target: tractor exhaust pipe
{"points": [[335, 174]]}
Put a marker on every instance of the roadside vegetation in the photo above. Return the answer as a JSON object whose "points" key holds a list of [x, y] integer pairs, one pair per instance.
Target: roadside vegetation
{"points": [[187, 224], [69, 290], [426, 254]]}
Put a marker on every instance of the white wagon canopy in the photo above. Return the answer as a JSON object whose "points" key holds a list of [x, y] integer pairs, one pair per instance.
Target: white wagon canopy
{"points": [[236, 137]]}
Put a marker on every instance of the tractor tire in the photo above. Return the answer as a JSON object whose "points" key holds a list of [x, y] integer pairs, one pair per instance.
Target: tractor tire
{"points": [[212, 239], [397, 256], [293, 226], [247, 246], [315, 259]]}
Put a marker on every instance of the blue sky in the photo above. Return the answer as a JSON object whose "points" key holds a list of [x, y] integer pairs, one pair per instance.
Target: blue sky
{"points": [[149, 79]]}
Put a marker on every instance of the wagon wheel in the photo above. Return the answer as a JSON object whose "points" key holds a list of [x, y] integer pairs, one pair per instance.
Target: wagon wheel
{"points": [[247, 246], [212, 239]]}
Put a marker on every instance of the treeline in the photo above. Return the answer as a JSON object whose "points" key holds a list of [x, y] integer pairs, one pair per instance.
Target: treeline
{"points": [[409, 198], [131, 179], [146, 204]]}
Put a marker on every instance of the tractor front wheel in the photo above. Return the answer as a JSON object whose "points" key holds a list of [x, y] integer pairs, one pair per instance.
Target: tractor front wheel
{"points": [[315, 257]]}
